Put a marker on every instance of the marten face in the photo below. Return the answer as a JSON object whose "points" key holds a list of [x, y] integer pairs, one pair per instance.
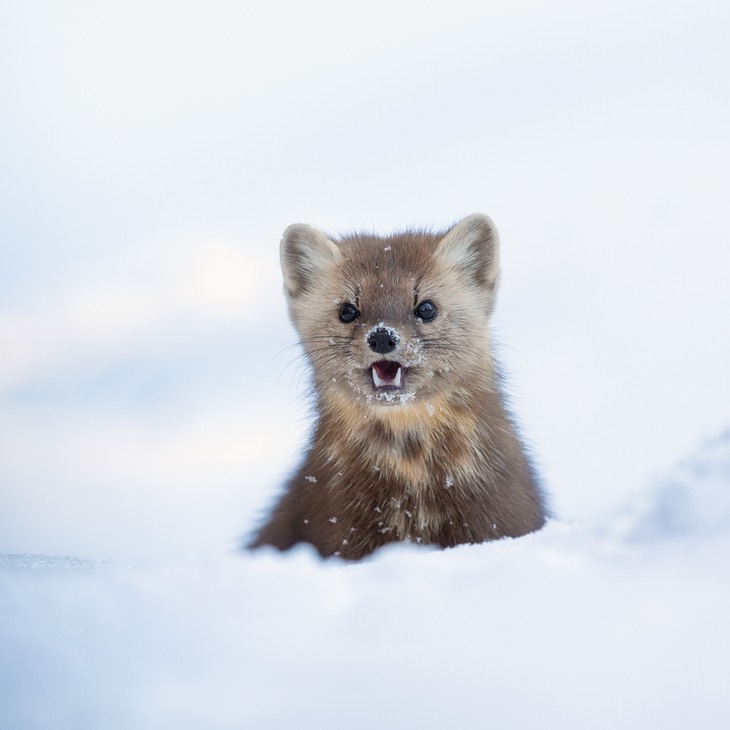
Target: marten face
{"points": [[388, 321]]}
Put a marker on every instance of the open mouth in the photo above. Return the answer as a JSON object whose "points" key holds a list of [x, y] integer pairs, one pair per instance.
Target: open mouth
{"points": [[386, 374]]}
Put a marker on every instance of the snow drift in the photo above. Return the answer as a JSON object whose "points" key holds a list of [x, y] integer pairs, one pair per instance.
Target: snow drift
{"points": [[613, 624]]}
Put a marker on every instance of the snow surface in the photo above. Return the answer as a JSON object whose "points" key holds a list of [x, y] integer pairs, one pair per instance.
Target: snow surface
{"points": [[621, 623]]}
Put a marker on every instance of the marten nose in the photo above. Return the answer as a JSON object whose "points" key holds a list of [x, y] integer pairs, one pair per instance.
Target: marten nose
{"points": [[383, 341]]}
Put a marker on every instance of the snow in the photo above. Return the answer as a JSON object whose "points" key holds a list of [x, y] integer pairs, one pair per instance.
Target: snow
{"points": [[620, 623], [152, 401], [578, 625]]}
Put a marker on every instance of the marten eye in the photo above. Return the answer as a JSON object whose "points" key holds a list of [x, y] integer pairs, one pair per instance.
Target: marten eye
{"points": [[426, 311], [348, 313]]}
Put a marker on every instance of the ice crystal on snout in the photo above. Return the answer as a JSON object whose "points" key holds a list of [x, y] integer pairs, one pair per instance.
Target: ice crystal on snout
{"points": [[391, 331]]}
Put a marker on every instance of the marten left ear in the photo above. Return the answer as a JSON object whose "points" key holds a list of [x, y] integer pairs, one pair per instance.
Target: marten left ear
{"points": [[304, 251], [473, 246]]}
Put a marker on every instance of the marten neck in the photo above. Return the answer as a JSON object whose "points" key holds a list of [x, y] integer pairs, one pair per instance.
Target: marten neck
{"points": [[412, 441]]}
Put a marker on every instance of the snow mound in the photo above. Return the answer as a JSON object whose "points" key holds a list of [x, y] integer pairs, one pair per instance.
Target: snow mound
{"points": [[576, 626], [693, 501]]}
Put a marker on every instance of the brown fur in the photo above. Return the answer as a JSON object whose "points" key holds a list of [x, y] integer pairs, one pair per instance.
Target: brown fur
{"points": [[434, 461]]}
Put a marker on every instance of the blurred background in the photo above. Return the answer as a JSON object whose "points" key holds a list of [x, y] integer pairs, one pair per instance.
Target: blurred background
{"points": [[152, 153]]}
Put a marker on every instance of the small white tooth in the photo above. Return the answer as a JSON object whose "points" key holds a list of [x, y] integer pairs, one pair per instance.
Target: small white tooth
{"points": [[377, 380], [396, 381]]}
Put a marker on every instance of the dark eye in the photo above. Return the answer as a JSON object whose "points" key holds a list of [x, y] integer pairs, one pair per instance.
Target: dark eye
{"points": [[425, 311], [348, 313]]}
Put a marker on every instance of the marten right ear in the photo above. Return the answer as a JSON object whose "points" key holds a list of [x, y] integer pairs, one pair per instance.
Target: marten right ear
{"points": [[304, 251], [472, 246]]}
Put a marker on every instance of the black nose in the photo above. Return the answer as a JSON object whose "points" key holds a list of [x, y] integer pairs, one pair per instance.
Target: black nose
{"points": [[383, 341]]}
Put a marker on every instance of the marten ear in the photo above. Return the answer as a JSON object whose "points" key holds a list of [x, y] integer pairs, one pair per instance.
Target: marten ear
{"points": [[304, 251], [472, 245]]}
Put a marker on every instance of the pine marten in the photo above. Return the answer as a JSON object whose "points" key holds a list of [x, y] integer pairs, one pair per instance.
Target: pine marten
{"points": [[412, 441]]}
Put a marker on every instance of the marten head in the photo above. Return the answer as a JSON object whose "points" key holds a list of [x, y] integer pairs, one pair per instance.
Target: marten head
{"points": [[389, 320]]}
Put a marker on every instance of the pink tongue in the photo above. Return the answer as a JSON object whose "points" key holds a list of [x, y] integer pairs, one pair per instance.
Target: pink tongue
{"points": [[386, 369]]}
